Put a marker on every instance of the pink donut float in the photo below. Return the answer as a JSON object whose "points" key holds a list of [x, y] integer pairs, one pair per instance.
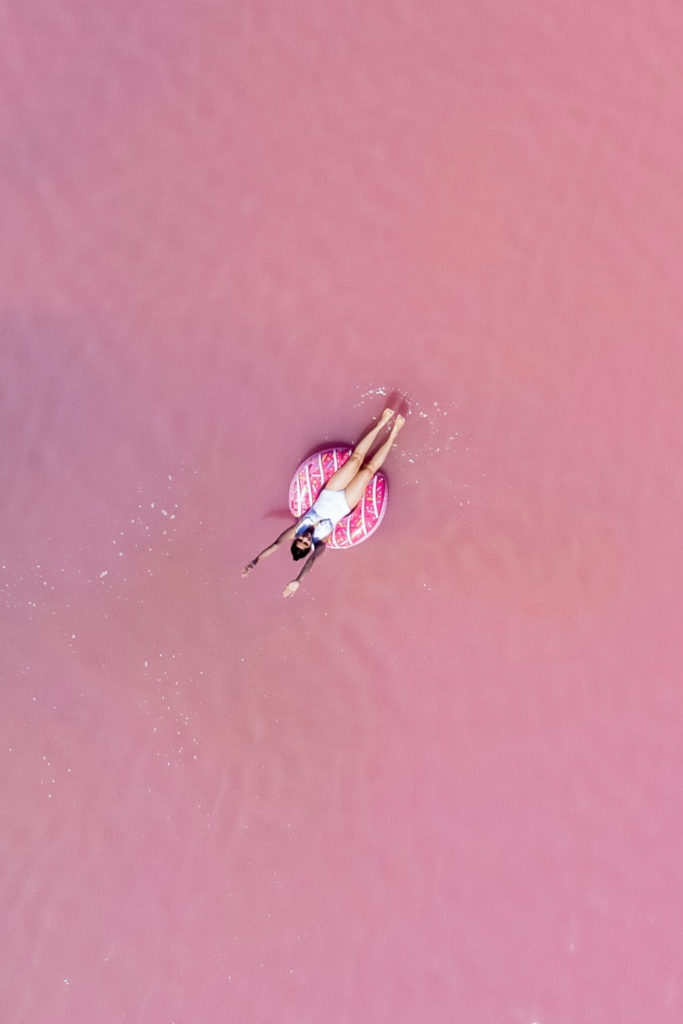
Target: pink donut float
{"points": [[307, 484]]}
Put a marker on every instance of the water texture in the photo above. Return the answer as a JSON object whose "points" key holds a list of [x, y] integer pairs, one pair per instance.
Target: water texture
{"points": [[441, 782]]}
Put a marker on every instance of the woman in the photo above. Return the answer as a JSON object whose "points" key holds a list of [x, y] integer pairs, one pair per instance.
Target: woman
{"points": [[340, 495]]}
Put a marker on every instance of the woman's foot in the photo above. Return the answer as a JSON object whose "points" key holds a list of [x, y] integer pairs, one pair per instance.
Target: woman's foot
{"points": [[399, 423], [386, 416]]}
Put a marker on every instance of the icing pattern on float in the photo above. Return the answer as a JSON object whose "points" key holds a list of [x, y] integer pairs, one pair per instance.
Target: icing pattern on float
{"points": [[307, 484]]}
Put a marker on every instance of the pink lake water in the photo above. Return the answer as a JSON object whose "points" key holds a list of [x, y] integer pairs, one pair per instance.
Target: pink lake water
{"points": [[442, 782]]}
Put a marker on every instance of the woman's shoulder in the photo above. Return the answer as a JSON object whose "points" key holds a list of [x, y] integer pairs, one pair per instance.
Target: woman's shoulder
{"points": [[306, 520]]}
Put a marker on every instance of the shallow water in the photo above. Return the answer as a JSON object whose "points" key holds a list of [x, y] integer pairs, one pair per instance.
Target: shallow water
{"points": [[441, 782]]}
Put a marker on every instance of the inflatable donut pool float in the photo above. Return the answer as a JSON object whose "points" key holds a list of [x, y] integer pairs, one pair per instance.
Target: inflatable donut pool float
{"points": [[307, 484]]}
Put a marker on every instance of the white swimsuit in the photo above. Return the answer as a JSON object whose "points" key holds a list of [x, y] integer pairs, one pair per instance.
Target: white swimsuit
{"points": [[327, 510]]}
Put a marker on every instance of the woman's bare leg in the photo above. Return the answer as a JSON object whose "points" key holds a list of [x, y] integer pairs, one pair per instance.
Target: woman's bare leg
{"points": [[345, 474], [356, 488]]}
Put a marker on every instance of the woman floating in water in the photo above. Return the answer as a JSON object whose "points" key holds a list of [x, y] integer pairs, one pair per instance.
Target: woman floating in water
{"points": [[338, 498]]}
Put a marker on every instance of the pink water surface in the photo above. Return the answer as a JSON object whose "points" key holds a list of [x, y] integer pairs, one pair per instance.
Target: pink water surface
{"points": [[442, 782]]}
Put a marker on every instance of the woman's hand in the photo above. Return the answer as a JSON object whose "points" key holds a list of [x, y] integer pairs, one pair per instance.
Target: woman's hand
{"points": [[291, 588], [249, 566]]}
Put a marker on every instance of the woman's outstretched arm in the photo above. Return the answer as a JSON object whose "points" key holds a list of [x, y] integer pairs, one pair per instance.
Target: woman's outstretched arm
{"points": [[292, 587], [288, 534]]}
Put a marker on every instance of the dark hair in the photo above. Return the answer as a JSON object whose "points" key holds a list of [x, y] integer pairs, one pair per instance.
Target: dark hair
{"points": [[298, 552]]}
